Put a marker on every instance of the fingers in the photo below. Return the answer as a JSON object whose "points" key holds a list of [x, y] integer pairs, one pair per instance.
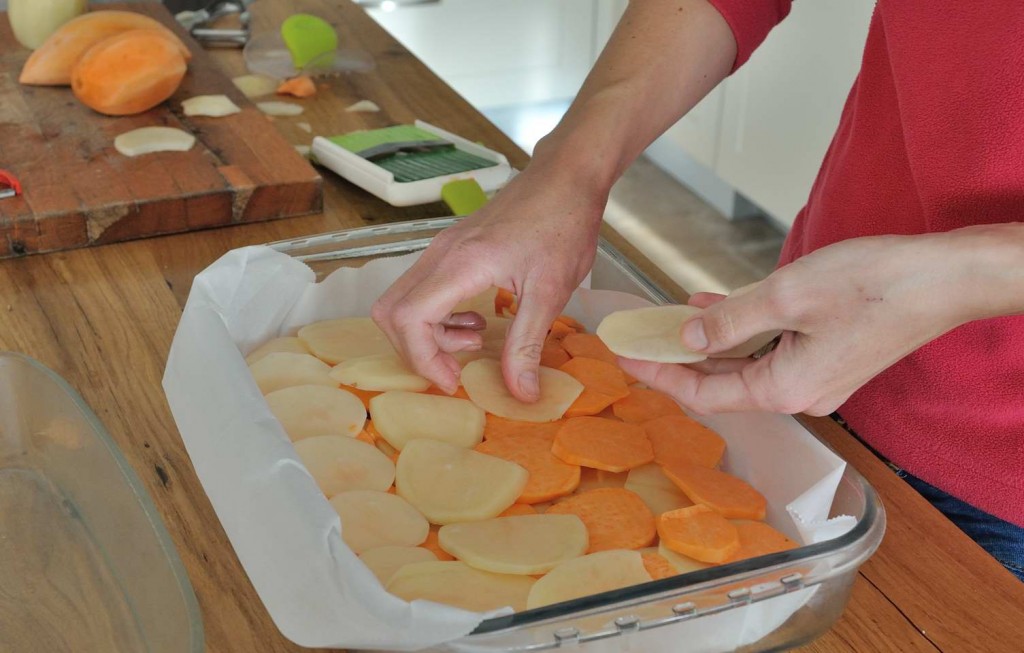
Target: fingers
{"points": [[538, 307], [469, 320], [728, 322]]}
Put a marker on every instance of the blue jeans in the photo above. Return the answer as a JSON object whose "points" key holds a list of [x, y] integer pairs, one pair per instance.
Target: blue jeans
{"points": [[1003, 540]]}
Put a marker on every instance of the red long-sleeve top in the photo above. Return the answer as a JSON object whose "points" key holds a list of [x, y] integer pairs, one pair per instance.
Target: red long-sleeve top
{"points": [[931, 139]]}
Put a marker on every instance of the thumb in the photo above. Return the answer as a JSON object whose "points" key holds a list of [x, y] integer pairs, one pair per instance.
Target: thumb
{"points": [[525, 340], [730, 322]]}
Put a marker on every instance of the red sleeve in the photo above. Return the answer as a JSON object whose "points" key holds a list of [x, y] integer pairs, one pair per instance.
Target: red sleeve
{"points": [[750, 21]]}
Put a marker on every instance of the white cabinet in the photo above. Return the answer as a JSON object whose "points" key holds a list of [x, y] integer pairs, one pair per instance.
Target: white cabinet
{"points": [[765, 130], [501, 52]]}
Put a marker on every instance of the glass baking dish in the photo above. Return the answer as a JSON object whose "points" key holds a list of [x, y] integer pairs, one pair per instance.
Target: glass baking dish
{"points": [[648, 617], [85, 562]]}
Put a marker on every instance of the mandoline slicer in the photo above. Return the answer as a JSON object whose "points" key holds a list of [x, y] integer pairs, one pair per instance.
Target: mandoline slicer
{"points": [[410, 164]]}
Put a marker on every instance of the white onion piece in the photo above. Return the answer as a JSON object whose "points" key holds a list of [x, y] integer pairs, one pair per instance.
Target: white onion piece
{"points": [[256, 85], [363, 106], [279, 108], [212, 106], [146, 140], [305, 126]]}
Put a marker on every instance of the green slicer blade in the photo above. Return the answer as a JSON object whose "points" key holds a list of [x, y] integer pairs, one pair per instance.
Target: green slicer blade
{"points": [[410, 153]]}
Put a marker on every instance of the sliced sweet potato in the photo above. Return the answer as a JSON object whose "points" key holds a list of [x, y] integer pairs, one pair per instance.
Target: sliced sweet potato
{"points": [[128, 73], [364, 395], [527, 544], [591, 574], [457, 584], [434, 546], [602, 444], [658, 566], [550, 478], [758, 539], [588, 345], [51, 64], [644, 404], [517, 509], [603, 385], [301, 87], [460, 392], [553, 355], [699, 532], [498, 427], [558, 331], [504, 302], [678, 439], [615, 518], [729, 496]]}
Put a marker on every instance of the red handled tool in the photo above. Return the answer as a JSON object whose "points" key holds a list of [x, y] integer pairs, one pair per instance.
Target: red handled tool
{"points": [[9, 185]]}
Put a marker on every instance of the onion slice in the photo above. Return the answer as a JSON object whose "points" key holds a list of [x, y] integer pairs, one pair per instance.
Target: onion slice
{"points": [[213, 106], [146, 140]]}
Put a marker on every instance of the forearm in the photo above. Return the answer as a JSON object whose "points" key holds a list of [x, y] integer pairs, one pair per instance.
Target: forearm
{"points": [[664, 56], [984, 270]]}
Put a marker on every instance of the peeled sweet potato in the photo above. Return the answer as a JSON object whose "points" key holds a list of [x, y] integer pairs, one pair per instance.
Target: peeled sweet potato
{"points": [[51, 63], [128, 73]]}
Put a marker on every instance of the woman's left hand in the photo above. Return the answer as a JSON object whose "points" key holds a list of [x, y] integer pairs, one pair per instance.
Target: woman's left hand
{"points": [[847, 312]]}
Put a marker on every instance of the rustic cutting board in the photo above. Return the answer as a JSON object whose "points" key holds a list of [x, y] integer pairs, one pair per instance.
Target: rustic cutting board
{"points": [[79, 191]]}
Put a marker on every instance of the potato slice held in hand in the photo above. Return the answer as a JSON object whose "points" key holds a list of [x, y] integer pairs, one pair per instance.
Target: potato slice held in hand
{"points": [[371, 519], [456, 583], [287, 344], [279, 370], [527, 544], [651, 333], [485, 385], [380, 373], [384, 561], [401, 417], [591, 574], [310, 410], [339, 463], [449, 484], [338, 340]]}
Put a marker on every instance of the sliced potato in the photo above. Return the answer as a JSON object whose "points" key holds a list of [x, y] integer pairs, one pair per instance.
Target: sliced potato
{"points": [[384, 561], [306, 411], [485, 386], [371, 519], [338, 340], [449, 484], [683, 564], [456, 583], [379, 372], [657, 491], [286, 344], [278, 370], [651, 333], [339, 463], [525, 544], [598, 572], [401, 417]]}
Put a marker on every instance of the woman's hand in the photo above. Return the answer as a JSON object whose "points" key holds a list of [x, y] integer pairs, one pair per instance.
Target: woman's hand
{"points": [[537, 238], [847, 312]]}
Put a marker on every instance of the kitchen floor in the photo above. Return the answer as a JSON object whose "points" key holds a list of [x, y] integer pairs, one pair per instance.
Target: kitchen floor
{"points": [[694, 244]]}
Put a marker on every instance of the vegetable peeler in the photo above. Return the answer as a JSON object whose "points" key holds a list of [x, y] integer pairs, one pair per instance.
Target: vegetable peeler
{"points": [[9, 185]]}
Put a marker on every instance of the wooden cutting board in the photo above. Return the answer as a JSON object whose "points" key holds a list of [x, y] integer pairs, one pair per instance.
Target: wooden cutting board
{"points": [[79, 191]]}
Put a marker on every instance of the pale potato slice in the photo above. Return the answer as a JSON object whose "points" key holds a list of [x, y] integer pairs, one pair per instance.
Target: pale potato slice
{"points": [[525, 544], [309, 410], [371, 519], [338, 340], [384, 561], [649, 334], [339, 463], [286, 344], [379, 372], [598, 572], [278, 370], [449, 484], [657, 491], [401, 417], [683, 564], [456, 583], [486, 388]]}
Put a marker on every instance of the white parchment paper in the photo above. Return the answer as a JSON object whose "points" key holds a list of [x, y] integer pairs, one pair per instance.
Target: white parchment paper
{"points": [[283, 530]]}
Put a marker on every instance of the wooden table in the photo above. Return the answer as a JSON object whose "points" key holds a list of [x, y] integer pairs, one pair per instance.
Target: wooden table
{"points": [[104, 319]]}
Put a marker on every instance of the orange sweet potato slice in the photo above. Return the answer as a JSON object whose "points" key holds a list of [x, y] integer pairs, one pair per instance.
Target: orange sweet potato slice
{"points": [[550, 478], [602, 444], [499, 427], [504, 300], [657, 566], [678, 439], [699, 532], [603, 385], [559, 330], [729, 496], [460, 393], [432, 544], [517, 509], [571, 323], [758, 539], [588, 345], [301, 86], [644, 404], [615, 518], [364, 395], [553, 355]]}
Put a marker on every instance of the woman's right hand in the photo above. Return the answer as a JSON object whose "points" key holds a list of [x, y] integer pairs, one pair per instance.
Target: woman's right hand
{"points": [[537, 238]]}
